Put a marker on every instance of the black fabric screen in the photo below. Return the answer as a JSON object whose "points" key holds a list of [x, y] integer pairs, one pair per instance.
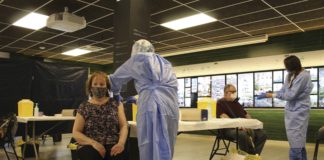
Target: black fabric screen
{"points": [[56, 87], [15, 84]]}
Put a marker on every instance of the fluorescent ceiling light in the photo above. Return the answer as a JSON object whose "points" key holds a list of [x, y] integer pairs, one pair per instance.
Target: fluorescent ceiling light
{"points": [[76, 52], [217, 45], [190, 21], [32, 21]]}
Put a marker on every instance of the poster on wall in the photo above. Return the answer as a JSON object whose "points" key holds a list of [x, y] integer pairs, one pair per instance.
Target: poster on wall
{"points": [[194, 82], [245, 89], [262, 84], [278, 76], [313, 73], [187, 102], [231, 79], [187, 92], [187, 82], [218, 84], [314, 91], [181, 92], [321, 87], [313, 100], [278, 102], [204, 86]]}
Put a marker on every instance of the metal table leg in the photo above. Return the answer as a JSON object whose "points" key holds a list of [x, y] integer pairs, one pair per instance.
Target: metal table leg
{"points": [[34, 141]]}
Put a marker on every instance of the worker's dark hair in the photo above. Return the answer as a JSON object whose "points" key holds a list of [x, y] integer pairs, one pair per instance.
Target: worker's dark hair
{"points": [[292, 63]]}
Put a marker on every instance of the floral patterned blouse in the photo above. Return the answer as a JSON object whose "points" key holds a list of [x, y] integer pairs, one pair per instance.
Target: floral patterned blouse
{"points": [[101, 121]]}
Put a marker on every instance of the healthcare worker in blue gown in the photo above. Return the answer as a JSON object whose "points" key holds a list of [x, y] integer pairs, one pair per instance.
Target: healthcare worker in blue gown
{"points": [[158, 112], [296, 91]]}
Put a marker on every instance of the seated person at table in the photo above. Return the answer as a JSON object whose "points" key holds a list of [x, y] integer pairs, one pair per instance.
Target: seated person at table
{"points": [[229, 107], [100, 126]]}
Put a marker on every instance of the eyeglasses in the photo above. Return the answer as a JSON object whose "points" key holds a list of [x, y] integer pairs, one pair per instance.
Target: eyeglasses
{"points": [[232, 91]]}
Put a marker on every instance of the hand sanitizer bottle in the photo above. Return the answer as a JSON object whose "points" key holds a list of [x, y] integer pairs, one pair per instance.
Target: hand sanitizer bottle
{"points": [[36, 110]]}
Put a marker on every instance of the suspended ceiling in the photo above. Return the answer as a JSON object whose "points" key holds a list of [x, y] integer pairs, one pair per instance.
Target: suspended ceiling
{"points": [[236, 19]]}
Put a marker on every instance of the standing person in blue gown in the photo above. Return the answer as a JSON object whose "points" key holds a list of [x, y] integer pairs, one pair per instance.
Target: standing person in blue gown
{"points": [[158, 112], [296, 91]]}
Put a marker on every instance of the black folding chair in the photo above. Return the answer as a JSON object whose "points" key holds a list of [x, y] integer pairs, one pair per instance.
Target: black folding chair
{"points": [[319, 138], [10, 130], [217, 149], [73, 146]]}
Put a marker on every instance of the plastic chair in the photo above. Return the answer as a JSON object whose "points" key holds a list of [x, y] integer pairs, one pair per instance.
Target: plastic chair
{"points": [[9, 134], [320, 137]]}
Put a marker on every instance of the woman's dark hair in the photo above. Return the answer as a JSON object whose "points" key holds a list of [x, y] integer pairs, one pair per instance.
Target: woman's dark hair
{"points": [[89, 82], [292, 63]]}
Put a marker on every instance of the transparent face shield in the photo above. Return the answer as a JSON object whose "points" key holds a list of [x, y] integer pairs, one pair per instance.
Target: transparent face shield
{"points": [[142, 46]]}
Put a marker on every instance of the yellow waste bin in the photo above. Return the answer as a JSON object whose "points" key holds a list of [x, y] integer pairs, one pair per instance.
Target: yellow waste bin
{"points": [[203, 103], [25, 108]]}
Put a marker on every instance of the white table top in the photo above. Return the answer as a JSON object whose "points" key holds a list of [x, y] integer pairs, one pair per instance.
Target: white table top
{"points": [[44, 118], [216, 123]]}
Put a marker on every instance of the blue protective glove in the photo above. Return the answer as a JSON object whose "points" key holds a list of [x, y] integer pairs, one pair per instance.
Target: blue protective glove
{"points": [[262, 95], [131, 99], [118, 98]]}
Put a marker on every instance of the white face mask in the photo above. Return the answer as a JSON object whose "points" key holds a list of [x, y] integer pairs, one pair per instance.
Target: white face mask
{"points": [[234, 96]]}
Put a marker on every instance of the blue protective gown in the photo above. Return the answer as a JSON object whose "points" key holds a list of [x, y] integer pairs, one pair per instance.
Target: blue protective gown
{"points": [[158, 112], [297, 108]]}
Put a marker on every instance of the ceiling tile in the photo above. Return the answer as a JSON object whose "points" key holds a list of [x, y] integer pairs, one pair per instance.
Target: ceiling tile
{"points": [[2, 26], [16, 32], [301, 7], [206, 27], [110, 4], [60, 40], [29, 5], [10, 50], [228, 37], [192, 44], [252, 17], [100, 36], [39, 46], [40, 36], [307, 16], [173, 15], [276, 3], [163, 6], [89, 11], [276, 31], [218, 32], [207, 5], [4, 40], [22, 44], [167, 36], [263, 24], [312, 24], [159, 30], [180, 40], [10, 15], [106, 22], [83, 32]]}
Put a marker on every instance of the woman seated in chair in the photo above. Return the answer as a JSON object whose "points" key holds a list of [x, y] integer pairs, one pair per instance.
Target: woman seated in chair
{"points": [[100, 126]]}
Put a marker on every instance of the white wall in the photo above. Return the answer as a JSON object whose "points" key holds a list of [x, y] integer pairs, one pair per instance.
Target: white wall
{"points": [[312, 58]]}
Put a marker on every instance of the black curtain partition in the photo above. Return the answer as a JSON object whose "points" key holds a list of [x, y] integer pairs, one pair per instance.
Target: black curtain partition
{"points": [[56, 87], [15, 84], [53, 86]]}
